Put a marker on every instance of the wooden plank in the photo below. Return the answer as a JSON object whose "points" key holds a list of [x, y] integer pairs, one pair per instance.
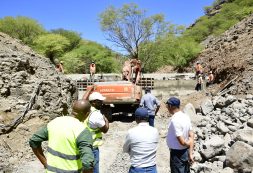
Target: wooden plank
{"points": [[227, 85]]}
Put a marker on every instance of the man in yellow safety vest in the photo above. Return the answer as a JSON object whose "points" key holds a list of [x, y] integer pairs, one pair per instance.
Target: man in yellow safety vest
{"points": [[69, 143], [96, 123]]}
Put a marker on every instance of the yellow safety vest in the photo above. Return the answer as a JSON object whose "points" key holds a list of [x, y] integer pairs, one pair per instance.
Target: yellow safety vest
{"points": [[63, 155], [96, 133]]}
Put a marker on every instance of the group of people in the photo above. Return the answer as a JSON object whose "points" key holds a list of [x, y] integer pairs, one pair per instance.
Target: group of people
{"points": [[92, 67], [131, 70], [73, 141], [199, 74], [141, 142]]}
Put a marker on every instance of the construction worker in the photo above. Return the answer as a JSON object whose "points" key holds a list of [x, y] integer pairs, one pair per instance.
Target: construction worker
{"points": [[126, 71], [198, 69], [199, 84], [151, 103], [69, 143], [92, 70], [96, 123], [59, 66], [141, 144], [136, 69], [210, 79]]}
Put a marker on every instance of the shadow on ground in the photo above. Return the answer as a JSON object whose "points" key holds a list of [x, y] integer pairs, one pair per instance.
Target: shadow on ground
{"points": [[123, 117]]}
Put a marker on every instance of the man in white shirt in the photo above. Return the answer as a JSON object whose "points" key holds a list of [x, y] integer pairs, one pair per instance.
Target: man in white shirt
{"points": [[141, 144], [179, 138], [96, 123]]}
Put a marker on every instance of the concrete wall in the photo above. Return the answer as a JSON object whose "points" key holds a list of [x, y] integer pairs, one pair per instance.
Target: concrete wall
{"points": [[166, 88]]}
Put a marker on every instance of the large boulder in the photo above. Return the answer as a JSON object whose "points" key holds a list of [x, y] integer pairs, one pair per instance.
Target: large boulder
{"points": [[212, 147], [240, 157], [244, 135], [207, 106]]}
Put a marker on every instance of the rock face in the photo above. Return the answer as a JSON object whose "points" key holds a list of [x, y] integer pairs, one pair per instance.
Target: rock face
{"points": [[230, 55], [228, 124], [27, 78]]}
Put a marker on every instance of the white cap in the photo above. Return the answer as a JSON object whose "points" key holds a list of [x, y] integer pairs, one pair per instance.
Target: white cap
{"points": [[96, 96]]}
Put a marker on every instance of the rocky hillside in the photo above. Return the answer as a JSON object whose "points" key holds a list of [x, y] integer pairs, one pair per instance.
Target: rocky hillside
{"points": [[231, 55], [29, 85]]}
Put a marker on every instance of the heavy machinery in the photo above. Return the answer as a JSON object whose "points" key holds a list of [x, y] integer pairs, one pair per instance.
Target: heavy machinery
{"points": [[121, 96]]}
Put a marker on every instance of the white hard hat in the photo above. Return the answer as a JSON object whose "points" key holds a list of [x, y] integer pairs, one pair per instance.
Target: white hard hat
{"points": [[96, 96]]}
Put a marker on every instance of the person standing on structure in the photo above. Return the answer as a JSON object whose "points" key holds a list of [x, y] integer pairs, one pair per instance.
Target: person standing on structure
{"points": [[210, 79], [151, 103], [92, 70], [59, 67], [96, 123], [180, 138], [198, 69], [69, 143], [126, 71], [141, 144], [136, 70]]}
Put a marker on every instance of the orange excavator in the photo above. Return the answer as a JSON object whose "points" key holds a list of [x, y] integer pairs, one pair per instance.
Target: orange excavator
{"points": [[121, 96]]}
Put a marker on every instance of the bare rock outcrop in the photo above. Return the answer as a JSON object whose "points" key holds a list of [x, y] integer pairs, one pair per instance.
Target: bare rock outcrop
{"points": [[231, 55], [28, 78]]}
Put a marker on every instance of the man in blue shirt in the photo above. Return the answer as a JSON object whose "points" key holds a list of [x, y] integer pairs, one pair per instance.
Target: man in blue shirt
{"points": [[151, 103]]}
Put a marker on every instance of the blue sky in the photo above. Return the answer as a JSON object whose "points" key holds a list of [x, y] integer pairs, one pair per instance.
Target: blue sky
{"points": [[82, 15]]}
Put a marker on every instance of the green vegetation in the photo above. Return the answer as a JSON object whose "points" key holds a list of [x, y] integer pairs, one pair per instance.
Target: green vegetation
{"points": [[23, 28], [73, 37], [229, 15], [78, 60], [168, 50], [154, 41], [51, 45], [61, 44]]}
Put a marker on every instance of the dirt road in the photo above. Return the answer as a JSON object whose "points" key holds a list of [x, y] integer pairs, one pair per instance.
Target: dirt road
{"points": [[112, 159]]}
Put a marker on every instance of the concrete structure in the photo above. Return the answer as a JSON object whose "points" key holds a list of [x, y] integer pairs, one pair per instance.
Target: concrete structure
{"points": [[165, 85], [115, 76]]}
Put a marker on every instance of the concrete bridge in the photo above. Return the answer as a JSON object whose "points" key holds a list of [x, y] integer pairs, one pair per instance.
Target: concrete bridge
{"points": [[163, 84]]}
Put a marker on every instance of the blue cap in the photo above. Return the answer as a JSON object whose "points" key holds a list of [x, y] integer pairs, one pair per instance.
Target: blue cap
{"points": [[173, 101], [141, 112]]}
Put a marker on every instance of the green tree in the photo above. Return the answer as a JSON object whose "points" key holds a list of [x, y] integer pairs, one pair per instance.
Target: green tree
{"points": [[128, 27], [73, 37], [78, 60], [51, 45], [173, 50], [23, 28]]}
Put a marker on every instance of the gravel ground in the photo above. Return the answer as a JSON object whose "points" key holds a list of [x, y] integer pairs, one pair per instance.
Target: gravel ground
{"points": [[113, 160]]}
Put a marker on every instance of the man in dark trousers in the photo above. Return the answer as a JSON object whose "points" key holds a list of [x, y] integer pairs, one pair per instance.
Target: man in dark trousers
{"points": [[151, 103], [180, 138], [69, 143]]}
